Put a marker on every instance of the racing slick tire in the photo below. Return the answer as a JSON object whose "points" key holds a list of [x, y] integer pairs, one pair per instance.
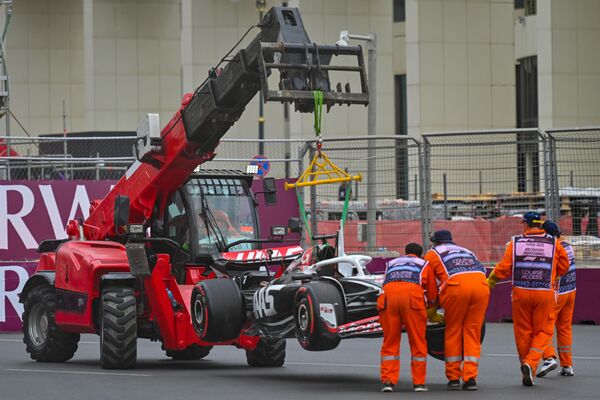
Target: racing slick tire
{"points": [[193, 352], [435, 339], [218, 310], [44, 341], [319, 310], [118, 328], [268, 353]]}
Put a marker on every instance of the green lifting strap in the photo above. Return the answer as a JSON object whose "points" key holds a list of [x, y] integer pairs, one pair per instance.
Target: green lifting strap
{"points": [[303, 212], [346, 203], [318, 96]]}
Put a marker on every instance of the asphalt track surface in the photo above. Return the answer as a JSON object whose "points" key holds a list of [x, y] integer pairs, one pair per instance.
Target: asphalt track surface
{"points": [[349, 372]]}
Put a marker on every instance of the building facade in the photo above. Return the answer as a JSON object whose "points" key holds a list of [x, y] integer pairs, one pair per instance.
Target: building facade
{"points": [[100, 65]]}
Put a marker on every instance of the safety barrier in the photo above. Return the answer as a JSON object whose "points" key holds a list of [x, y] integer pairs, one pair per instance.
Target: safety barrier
{"points": [[474, 183], [481, 179]]}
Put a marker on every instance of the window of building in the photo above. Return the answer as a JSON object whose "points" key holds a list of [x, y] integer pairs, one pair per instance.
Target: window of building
{"points": [[530, 7], [528, 172], [519, 3], [401, 145], [399, 10]]}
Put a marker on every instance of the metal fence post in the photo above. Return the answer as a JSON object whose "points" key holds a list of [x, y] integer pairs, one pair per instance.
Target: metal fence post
{"points": [[371, 152], [445, 185], [548, 182], [424, 173], [553, 170]]}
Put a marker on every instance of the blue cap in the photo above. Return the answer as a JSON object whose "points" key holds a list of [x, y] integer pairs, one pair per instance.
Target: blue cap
{"points": [[442, 236], [551, 228], [532, 217]]}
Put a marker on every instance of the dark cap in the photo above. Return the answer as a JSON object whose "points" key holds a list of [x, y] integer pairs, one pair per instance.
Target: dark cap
{"points": [[414, 248], [442, 236], [551, 228], [532, 218]]}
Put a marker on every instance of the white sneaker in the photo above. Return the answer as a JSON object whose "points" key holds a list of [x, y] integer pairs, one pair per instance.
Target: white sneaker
{"points": [[567, 371], [550, 364], [387, 387], [420, 388]]}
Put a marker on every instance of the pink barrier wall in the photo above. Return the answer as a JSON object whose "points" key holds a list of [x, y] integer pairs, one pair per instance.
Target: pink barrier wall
{"points": [[487, 238]]}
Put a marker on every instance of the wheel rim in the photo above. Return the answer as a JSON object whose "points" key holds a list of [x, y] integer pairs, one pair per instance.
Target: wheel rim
{"points": [[199, 313], [38, 325], [303, 316]]}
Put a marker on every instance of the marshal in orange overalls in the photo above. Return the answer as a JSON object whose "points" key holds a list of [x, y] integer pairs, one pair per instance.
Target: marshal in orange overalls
{"points": [[464, 295], [534, 260], [408, 280]]}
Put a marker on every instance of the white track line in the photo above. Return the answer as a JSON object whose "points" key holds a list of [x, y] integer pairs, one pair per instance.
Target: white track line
{"points": [[333, 365], [377, 366], [21, 341], [514, 355], [74, 372]]}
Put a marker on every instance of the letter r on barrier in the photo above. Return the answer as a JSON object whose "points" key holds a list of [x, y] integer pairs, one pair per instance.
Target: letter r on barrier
{"points": [[13, 295]]}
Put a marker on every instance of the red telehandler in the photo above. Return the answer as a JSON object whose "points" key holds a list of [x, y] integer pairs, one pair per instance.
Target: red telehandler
{"points": [[172, 255]]}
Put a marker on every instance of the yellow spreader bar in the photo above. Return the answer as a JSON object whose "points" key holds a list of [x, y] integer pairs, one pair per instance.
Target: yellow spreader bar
{"points": [[322, 171]]}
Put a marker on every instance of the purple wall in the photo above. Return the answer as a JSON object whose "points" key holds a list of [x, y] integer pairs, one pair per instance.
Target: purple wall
{"points": [[12, 279], [33, 211], [276, 214], [586, 300]]}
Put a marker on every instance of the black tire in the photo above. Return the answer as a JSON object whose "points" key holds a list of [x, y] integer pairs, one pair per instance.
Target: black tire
{"points": [[268, 353], [44, 341], [218, 310], [435, 339], [193, 352], [118, 328], [312, 330]]}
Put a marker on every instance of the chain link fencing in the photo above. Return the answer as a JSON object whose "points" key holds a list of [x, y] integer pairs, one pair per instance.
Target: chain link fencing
{"points": [[575, 165], [484, 181], [475, 184], [66, 158], [282, 158], [393, 197]]}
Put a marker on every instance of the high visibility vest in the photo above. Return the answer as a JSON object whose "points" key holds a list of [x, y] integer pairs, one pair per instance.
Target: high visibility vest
{"points": [[533, 259], [405, 269], [567, 281], [458, 260]]}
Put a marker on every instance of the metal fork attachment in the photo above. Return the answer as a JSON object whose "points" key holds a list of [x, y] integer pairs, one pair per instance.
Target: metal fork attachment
{"points": [[305, 67]]}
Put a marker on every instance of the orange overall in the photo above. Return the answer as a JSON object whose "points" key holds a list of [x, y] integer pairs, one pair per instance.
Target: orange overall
{"points": [[564, 314], [403, 303], [464, 295], [533, 259]]}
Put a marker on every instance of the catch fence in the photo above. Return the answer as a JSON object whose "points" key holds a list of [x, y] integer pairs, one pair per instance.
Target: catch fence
{"points": [[476, 184], [575, 168]]}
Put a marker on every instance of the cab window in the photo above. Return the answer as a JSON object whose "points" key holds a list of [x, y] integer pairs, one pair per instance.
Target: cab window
{"points": [[176, 221]]}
